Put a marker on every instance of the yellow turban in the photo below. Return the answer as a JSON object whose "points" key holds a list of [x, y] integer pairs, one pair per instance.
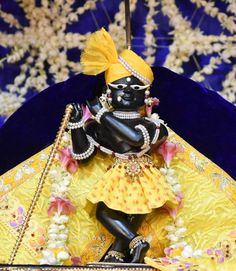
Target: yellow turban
{"points": [[100, 55]]}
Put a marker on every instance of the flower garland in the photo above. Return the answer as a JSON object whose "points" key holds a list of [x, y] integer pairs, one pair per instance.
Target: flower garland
{"points": [[176, 230], [226, 52], [229, 86], [210, 8], [60, 207], [180, 254], [188, 41], [149, 27], [44, 43], [232, 6]]}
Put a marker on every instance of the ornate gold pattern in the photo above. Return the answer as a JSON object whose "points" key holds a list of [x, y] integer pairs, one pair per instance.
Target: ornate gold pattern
{"points": [[42, 179]]}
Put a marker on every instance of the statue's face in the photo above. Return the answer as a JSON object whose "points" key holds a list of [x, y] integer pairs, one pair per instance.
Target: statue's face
{"points": [[127, 93]]}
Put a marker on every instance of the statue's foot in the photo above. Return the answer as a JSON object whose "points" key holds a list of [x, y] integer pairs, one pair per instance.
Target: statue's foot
{"points": [[114, 257], [138, 249]]}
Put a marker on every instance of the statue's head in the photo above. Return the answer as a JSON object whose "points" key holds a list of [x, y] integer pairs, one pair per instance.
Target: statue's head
{"points": [[128, 77], [127, 93]]}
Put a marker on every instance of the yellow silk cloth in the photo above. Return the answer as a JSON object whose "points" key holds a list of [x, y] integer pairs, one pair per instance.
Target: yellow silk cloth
{"points": [[139, 194], [209, 209]]}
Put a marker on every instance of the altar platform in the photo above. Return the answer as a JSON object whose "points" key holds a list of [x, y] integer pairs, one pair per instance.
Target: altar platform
{"points": [[88, 267]]}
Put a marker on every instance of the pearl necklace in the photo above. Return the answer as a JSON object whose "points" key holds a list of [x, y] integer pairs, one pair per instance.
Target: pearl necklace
{"points": [[126, 115]]}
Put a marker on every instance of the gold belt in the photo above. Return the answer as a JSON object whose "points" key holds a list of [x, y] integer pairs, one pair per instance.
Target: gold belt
{"points": [[134, 166]]}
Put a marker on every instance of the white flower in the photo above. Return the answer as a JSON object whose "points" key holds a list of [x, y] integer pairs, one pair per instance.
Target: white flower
{"points": [[62, 227], [172, 237], [170, 228], [187, 252], [54, 231], [49, 257], [63, 255], [207, 70], [179, 244], [53, 236], [180, 232], [176, 188], [171, 180], [179, 222], [60, 219], [60, 243], [163, 171], [197, 253], [62, 236]]}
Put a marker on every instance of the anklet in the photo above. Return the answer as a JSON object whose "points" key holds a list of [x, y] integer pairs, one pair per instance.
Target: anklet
{"points": [[116, 254], [138, 240]]}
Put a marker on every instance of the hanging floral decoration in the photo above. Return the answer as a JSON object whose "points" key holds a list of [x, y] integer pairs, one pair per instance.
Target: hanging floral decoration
{"points": [[60, 208]]}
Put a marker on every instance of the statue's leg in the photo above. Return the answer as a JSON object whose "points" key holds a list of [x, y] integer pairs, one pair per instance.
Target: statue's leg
{"points": [[120, 245], [121, 227]]}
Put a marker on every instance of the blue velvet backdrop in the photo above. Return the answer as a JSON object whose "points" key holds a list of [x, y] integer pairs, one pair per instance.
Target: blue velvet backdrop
{"points": [[104, 14]]}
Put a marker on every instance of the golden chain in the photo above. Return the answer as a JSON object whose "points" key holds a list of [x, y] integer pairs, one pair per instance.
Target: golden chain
{"points": [[42, 179]]}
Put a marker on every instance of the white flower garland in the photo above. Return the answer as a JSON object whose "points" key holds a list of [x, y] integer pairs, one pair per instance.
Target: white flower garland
{"points": [[232, 6], [149, 27], [56, 252], [10, 102], [43, 43], [188, 41], [210, 8], [176, 233], [229, 86], [176, 230]]}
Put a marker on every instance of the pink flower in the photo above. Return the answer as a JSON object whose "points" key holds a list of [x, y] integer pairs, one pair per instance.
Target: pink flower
{"points": [[62, 206], [168, 251], [168, 150], [67, 161], [173, 211], [86, 113], [154, 102], [76, 260]]}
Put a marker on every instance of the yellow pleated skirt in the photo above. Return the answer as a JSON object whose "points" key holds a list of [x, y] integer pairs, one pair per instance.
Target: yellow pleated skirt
{"points": [[133, 186]]}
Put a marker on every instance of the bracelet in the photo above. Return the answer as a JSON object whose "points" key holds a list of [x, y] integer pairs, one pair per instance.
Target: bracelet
{"points": [[146, 136], [136, 242], [100, 113], [75, 125], [86, 154]]}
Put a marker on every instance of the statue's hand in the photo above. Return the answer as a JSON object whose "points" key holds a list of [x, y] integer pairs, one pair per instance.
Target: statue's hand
{"points": [[94, 106], [77, 113]]}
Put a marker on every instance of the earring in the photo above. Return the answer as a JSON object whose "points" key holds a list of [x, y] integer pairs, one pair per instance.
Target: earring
{"points": [[146, 98], [108, 96]]}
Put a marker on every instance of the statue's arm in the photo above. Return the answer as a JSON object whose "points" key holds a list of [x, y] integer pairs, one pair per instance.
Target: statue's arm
{"points": [[81, 145], [129, 135]]}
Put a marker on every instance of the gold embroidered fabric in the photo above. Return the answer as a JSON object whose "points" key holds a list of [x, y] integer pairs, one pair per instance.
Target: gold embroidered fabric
{"points": [[209, 209]]}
